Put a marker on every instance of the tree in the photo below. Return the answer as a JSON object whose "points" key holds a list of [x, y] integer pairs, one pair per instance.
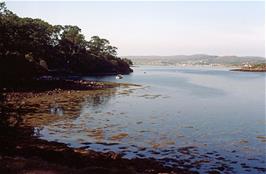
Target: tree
{"points": [[101, 47], [30, 47], [73, 35], [4, 10], [128, 61]]}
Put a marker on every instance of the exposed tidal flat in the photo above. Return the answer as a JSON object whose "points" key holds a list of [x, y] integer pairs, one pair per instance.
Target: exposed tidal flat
{"points": [[26, 109], [196, 119]]}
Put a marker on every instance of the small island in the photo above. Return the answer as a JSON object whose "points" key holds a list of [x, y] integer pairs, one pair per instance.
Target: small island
{"points": [[253, 68]]}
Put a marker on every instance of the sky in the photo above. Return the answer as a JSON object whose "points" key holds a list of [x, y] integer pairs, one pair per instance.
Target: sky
{"points": [[161, 28]]}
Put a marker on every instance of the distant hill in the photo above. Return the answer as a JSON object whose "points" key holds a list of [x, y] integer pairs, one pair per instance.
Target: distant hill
{"points": [[197, 59]]}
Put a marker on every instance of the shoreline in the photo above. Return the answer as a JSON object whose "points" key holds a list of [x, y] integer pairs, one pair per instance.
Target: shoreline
{"points": [[30, 154], [229, 68], [249, 70], [190, 66], [21, 151]]}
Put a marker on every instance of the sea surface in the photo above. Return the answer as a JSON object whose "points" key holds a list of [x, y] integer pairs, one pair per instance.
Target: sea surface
{"points": [[203, 119]]}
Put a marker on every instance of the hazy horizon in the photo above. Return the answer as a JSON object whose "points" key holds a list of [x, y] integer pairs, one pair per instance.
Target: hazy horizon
{"points": [[161, 28], [192, 54]]}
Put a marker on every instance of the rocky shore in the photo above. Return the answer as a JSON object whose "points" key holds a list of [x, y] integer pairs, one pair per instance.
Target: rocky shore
{"points": [[254, 68], [21, 150], [22, 153]]}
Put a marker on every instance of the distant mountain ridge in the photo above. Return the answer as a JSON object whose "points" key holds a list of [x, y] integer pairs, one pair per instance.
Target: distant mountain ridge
{"points": [[197, 59]]}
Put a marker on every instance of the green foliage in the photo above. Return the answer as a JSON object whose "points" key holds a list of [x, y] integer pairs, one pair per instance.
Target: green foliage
{"points": [[28, 44], [261, 65], [128, 61], [101, 47]]}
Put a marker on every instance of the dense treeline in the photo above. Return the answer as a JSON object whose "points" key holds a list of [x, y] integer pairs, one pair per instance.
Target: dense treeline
{"points": [[32, 47]]}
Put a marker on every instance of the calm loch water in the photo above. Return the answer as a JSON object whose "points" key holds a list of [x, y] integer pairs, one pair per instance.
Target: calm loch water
{"points": [[197, 118]]}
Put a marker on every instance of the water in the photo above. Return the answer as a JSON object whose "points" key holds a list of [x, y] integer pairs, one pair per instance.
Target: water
{"points": [[198, 118]]}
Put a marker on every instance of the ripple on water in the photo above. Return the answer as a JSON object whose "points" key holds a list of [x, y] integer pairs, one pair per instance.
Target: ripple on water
{"points": [[119, 136], [147, 123], [262, 138]]}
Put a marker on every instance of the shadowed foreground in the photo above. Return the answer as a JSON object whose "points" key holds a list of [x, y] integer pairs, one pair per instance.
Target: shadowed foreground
{"points": [[22, 152]]}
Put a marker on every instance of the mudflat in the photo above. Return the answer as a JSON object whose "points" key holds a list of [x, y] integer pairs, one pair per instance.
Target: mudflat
{"points": [[22, 151]]}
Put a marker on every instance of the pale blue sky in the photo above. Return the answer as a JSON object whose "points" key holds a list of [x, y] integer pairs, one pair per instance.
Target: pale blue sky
{"points": [[161, 28]]}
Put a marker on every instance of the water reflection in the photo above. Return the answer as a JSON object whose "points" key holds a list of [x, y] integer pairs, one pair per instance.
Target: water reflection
{"points": [[98, 100], [55, 109], [188, 119]]}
